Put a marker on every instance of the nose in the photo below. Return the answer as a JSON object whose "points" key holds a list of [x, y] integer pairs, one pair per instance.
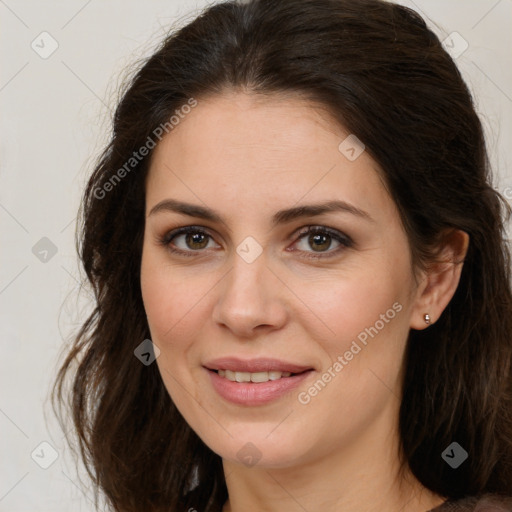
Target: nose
{"points": [[251, 299]]}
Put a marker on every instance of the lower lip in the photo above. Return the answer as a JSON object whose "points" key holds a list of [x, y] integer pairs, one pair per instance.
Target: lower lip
{"points": [[255, 393]]}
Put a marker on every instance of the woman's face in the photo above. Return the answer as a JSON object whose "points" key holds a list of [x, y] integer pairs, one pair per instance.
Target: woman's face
{"points": [[249, 283]]}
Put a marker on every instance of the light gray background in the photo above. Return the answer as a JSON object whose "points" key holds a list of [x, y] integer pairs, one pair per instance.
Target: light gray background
{"points": [[55, 115]]}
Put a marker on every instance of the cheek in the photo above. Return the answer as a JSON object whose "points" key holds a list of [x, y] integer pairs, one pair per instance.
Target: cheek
{"points": [[174, 300], [367, 320], [168, 303], [368, 327], [349, 304], [159, 291]]}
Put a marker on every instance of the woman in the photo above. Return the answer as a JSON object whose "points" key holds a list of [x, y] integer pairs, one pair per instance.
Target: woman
{"points": [[302, 283]]}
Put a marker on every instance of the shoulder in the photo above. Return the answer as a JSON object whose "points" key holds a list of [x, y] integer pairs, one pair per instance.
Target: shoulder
{"points": [[485, 503]]}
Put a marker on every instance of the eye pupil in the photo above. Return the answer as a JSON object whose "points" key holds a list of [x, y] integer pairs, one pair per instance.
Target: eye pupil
{"points": [[319, 241], [196, 238]]}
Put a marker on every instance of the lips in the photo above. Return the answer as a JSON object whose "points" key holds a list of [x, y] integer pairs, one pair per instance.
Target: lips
{"points": [[255, 365], [252, 394]]}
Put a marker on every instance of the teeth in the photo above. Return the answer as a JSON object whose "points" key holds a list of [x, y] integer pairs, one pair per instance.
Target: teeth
{"points": [[252, 377]]}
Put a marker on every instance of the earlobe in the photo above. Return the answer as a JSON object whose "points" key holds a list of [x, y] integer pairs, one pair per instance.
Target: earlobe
{"points": [[440, 281]]}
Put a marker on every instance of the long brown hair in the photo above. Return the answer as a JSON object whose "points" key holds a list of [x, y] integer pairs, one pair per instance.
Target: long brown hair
{"points": [[378, 69]]}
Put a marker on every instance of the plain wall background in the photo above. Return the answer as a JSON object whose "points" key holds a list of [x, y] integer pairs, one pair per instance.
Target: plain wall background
{"points": [[55, 115]]}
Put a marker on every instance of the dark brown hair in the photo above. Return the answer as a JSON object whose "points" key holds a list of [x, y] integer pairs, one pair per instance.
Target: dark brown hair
{"points": [[378, 69]]}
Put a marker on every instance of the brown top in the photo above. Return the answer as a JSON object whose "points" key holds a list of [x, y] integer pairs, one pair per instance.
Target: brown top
{"points": [[486, 503]]}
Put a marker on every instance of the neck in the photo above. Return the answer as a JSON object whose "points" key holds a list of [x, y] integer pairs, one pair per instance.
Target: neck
{"points": [[329, 495], [362, 475]]}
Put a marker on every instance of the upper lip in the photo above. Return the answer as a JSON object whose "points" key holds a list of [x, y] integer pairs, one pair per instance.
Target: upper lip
{"points": [[255, 365]]}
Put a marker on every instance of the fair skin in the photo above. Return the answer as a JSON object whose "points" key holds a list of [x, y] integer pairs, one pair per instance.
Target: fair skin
{"points": [[246, 158]]}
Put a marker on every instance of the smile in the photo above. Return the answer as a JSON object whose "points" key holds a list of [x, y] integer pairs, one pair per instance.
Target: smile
{"points": [[255, 388], [252, 377]]}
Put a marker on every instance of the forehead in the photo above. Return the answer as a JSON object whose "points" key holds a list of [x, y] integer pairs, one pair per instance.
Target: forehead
{"points": [[264, 150], [244, 121]]}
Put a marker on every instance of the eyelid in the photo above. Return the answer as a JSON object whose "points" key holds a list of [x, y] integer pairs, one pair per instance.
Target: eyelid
{"points": [[318, 228]]}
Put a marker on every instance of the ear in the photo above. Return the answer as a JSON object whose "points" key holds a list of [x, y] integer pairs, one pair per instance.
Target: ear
{"points": [[438, 283]]}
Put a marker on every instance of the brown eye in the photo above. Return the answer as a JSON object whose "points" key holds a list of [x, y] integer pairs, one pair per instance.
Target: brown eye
{"points": [[187, 240], [319, 242], [196, 240], [317, 239]]}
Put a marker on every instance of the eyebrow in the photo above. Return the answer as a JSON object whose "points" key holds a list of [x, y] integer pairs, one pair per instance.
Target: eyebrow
{"points": [[280, 217]]}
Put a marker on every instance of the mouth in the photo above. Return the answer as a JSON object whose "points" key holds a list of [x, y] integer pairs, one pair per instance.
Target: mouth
{"points": [[256, 388], [255, 377], [254, 382]]}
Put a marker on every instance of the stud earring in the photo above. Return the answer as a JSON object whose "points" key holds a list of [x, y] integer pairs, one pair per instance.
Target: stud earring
{"points": [[427, 318]]}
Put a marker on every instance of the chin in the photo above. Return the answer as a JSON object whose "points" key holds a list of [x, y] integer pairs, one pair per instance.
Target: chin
{"points": [[256, 451]]}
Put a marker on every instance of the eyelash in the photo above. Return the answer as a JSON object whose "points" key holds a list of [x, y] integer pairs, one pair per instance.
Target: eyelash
{"points": [[345, 241]]}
